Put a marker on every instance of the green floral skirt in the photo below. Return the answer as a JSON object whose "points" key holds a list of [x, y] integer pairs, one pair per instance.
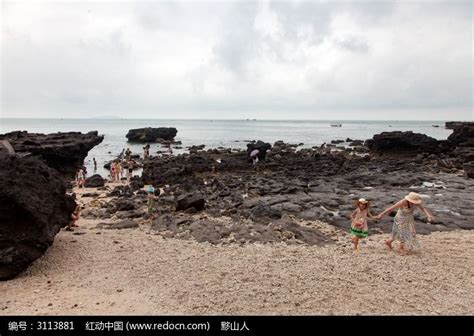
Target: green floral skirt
{"points": [[359, 233]]}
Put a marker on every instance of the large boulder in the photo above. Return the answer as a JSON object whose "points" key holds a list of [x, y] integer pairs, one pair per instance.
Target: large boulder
{"points": [[402, 143], [64, 152], [33, 208], [150, 134], [192, 200], [95, 181], [261, 146]]}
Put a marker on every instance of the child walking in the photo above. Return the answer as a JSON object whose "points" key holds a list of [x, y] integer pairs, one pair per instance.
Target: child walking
{"points": [[359, 227], [151, 202]]}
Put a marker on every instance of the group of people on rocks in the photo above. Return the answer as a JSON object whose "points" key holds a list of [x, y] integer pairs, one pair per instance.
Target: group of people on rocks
{"points": [[120, 169], [403, 228]]}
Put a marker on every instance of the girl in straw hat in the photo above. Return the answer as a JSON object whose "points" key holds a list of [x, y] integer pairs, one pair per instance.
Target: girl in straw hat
{"points": [[403, 228], [359, 227]]}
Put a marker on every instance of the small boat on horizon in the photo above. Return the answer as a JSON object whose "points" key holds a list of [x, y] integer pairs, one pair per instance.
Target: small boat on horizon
{"points": [[435, 125], [336, 125]]}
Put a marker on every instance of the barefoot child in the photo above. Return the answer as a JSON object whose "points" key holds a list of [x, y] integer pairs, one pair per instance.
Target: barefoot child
{"points": [[359, 228], [403, 228]]}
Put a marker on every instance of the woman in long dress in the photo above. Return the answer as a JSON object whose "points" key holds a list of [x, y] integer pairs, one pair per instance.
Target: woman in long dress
{"points": [[403, 228]]}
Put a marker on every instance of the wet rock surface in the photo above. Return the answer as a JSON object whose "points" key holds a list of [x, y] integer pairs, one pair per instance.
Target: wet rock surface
{"points": [[62, 151], [33, 208]]}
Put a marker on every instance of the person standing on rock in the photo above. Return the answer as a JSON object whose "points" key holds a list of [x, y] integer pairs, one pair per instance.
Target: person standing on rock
{"points": [[119, 169], [113, 172], [403, 228], [80, 178], [146, 151], [95, 165], [359, 227], [130, 170], [128, 154]]}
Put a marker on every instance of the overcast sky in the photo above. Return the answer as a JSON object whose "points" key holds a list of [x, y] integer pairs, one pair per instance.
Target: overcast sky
{"points": [[233, 60]]}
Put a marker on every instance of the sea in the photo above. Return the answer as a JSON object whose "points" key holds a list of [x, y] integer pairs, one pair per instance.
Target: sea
{"points": [[219, 133]]}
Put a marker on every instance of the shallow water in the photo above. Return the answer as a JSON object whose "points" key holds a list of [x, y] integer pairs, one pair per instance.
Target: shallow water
{"points": [[216, 133]]}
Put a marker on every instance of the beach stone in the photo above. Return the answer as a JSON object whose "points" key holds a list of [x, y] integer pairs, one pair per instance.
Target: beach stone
{"points": [[150, 134], [95, 181], [33, 208], [124, 205], [130, 214], [192, 200], [63, 151], [469, 169], [90, 194], [262, 211], [125, 224]]}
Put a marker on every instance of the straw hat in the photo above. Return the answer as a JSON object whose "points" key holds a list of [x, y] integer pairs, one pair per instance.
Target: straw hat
{"points": [[363, 201], [413, 197]]}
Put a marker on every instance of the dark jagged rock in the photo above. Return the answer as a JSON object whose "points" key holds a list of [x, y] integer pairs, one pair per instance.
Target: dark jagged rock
{"points": [[150, 134], [469, 169], [402, 143], [195, 201], [463, 135], [33, 208], [265, 211], [455, 124], [262, 148], [95, 181], [64, 152]]}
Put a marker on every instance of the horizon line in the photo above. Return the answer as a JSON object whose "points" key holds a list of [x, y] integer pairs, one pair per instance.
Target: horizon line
{"points": [[217, 119]]}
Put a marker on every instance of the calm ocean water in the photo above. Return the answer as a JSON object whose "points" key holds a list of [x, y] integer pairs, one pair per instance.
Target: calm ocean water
{"points": [[215, 133]]}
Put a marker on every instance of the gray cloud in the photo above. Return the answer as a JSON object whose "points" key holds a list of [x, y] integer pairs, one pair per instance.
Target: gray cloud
{"points": [[236, 59]]}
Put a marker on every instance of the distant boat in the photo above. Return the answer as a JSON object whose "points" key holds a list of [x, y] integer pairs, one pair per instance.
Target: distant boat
{"points": [[435, 125], [336, 125]]}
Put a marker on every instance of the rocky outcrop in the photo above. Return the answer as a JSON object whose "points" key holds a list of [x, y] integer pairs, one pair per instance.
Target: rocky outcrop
{"points": [[402, 143], [455, 124], [150, 134], [463, 135], [64, 152], [95, 181], [33, 208]]}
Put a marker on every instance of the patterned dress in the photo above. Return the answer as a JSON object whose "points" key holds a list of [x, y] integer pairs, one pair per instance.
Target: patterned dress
{"points": [[361, 218], [403, 228]]}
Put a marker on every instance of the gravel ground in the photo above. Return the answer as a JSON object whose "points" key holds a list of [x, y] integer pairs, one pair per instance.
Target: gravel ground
{"points": [[132, 271]]}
